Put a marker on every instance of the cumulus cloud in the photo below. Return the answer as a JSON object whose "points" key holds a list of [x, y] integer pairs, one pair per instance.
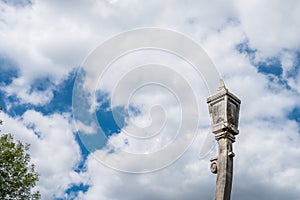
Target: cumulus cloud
{"points": [[270, 26], [49, 38], [265, 106], [53, 150], [188, 178]]}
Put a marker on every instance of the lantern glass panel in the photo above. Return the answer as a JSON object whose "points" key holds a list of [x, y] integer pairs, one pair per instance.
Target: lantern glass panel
{"points": [[232, 113], [218, 112]]}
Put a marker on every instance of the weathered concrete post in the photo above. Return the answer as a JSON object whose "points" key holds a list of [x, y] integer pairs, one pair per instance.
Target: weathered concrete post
{"points": [[224, 111]]}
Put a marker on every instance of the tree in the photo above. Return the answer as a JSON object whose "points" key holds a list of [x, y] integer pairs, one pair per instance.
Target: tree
{"points": [[17, 175]]}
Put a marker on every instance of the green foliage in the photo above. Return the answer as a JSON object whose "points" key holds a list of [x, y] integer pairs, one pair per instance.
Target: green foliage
{"points": [[17, 175]]}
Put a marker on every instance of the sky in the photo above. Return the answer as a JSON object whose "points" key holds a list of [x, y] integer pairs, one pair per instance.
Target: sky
{"points": [[139, 129]]}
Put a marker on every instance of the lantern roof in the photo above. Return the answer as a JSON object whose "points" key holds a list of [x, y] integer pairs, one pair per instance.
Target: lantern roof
{"points": [[222, 91]]}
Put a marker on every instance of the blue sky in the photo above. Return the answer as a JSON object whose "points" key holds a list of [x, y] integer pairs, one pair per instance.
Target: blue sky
{"points": [[254, 45]]}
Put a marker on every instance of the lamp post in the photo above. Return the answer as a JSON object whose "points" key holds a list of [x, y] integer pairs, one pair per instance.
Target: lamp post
{"points": [[224, 112]]}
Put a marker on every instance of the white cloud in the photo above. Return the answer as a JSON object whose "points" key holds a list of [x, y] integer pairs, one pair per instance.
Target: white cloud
{"points": [[52, 37], [23, 91], [53, 150], [187, 178], [87, 129], [270, 25]]}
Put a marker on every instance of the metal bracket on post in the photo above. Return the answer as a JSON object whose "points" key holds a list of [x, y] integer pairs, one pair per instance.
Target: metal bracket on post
{"points": [[214, 165]]}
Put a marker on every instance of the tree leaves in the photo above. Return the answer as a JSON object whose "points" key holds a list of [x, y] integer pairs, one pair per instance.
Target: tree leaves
{"points": [[17, 175]]}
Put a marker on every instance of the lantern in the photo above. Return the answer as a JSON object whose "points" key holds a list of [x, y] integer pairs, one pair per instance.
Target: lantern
{"points": [[224, 111]]}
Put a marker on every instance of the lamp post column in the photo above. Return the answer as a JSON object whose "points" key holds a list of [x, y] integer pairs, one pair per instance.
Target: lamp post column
{"points": [[224, 164], [224, 111]]}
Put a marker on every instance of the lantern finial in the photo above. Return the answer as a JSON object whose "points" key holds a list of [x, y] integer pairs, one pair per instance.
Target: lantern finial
{"points": [[222, 85]]}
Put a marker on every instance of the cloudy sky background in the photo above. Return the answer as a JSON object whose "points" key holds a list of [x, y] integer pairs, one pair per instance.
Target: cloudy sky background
{"points": [[253, 44]]}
